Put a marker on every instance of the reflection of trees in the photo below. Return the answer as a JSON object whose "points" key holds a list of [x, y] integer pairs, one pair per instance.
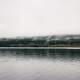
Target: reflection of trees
{"points": [[63, 54]]}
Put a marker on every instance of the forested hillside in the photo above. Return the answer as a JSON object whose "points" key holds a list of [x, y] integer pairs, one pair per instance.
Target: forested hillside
{"points": [[46, 41]]}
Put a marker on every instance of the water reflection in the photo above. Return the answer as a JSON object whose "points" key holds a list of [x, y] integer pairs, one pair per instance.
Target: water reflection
{"points": [[40, 64], [64, 54]]}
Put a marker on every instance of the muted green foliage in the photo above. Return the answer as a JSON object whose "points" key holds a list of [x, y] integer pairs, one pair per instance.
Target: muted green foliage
{"points": [[47, 41]]}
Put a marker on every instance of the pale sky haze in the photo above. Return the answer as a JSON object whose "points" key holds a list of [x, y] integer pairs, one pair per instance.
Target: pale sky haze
{"points": [[39, 17]]}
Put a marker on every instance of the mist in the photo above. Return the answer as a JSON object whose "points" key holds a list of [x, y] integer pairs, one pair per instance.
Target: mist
{"points": [[39, 17]]}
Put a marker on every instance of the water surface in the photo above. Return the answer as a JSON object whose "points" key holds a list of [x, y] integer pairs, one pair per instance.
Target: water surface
{"points": [[40, 64]]}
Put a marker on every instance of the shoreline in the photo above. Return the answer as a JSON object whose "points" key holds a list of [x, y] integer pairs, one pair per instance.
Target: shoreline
{"points": [[39, 48]]}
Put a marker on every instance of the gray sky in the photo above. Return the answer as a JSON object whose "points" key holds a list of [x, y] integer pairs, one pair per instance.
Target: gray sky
{"points": [[39, 17]]}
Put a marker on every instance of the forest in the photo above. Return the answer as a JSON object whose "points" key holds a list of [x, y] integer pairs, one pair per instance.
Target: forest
{"points": [[42, 41]]}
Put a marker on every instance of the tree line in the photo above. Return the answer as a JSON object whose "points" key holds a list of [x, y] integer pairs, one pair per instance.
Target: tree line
{"points": [[47, 41]]}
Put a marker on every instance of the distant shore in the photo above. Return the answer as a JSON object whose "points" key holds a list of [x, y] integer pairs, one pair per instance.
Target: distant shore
{"points": [[46, 42]]}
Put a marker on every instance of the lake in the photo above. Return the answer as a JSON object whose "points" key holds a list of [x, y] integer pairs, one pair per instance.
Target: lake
{"points": [[40, 64]]}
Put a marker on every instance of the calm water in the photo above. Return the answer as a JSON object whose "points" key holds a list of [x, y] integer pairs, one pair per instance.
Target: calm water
{"points": [[40, 64]]}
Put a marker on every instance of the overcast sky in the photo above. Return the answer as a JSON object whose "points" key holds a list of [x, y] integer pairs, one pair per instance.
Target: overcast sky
{"points": [[39, 17]]}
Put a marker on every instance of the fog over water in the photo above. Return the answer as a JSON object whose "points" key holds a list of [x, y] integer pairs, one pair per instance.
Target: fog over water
{"points": [[39, 64]]}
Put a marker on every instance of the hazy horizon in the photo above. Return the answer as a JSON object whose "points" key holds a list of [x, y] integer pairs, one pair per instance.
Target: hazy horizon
{"points": [[22, 18]]}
